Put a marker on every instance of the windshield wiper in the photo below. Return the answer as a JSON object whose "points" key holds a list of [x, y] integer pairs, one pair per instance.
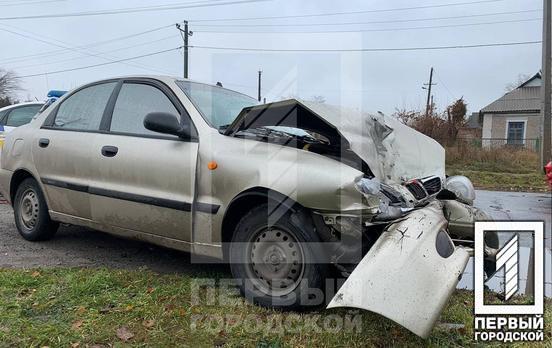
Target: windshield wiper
{"points": [[222, 129]]}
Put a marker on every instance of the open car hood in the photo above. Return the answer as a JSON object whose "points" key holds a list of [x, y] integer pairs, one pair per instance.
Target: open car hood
{"points": [[394, 152]]}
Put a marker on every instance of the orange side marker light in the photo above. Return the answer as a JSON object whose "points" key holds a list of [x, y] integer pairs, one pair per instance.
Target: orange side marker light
{"points": [[212, 165]]}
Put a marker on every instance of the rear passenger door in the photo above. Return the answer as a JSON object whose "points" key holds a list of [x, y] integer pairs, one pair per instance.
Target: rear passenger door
{"points": [[144, 181], [62, 148]]}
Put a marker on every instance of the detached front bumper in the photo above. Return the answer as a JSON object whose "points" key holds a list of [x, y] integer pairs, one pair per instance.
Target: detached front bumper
{"points": [[409, 273]]}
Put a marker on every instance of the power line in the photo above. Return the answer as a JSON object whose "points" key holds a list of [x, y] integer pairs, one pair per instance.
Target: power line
{"points": [[102, 64], [105, 52], [369, 30], [444, 85], [387, 49], [98, 43], [346, 12], [136, 9], [370, 22], [65, 45], [19, 3]]}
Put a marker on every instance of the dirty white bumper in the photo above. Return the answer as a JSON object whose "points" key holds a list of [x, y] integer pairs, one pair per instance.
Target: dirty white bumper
{"points": [[404, 277]]}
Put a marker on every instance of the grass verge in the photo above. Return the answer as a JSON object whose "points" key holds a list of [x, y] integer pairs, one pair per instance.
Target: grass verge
{"points": [[493, 181], [86, 307], [497, 169]]}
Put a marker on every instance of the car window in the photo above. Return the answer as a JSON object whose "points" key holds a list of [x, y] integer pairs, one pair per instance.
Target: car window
{"points": [[84, 109], [2, 114], [22, 115], [134, 102]]}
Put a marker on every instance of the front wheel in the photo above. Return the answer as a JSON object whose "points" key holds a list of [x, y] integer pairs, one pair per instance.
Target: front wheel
{"points": [[280, 263], [31, 212]]}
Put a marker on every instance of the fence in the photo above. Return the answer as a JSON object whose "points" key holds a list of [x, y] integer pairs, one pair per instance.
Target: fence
{"points": [[495, 143]]}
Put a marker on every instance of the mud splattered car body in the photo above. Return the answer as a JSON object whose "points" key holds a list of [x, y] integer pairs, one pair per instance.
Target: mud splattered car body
{"points": [[282, 191]]}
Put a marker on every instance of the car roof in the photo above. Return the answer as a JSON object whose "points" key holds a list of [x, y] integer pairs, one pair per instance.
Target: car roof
{"points": [[9, 107], [163, 78]]}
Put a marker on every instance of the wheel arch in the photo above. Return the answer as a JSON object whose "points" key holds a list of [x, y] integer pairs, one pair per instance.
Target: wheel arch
{"points": [[17, 178], [247, 200]]}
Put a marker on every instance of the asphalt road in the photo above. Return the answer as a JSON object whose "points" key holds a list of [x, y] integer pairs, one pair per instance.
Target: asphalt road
{"points": [[81, 247]]}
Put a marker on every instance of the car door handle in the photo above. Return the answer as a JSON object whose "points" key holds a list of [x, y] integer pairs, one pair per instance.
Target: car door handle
{"points": [[109, 151], [43, 142]]}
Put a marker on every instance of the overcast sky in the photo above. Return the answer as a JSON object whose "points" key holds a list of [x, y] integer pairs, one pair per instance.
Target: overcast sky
{"points": [[375, 81]]}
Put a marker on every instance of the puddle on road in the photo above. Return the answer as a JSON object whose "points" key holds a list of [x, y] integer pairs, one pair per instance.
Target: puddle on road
{"points": [[497, 282]]}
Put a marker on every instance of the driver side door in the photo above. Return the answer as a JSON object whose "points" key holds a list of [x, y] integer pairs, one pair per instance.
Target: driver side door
{"points": [[143, 181]]}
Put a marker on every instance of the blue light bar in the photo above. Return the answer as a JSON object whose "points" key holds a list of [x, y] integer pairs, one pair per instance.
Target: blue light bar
{"points": [[56, 94]]}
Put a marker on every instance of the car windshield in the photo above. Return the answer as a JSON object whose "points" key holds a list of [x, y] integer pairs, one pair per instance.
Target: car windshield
{"points": [[219, 106]]}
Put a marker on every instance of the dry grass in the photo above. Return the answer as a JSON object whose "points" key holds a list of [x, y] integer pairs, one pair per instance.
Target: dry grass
{"points": [[500, 160], [502, 168]]}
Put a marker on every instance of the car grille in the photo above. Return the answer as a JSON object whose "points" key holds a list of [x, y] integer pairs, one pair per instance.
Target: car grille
{"points": [[416, 189], [432, 185]]}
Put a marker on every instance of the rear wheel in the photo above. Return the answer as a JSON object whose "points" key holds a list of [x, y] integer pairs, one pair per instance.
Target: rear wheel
{"points": [[31, 212], [279, 263]]}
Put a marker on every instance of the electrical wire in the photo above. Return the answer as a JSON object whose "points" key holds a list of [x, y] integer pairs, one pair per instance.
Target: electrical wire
{"points": [[102, 64], [19, 3], [67, 46], [370, 30], [371, 22], [346, 12], [100, 53], [387, 49], [134, 10], [17, 59]]}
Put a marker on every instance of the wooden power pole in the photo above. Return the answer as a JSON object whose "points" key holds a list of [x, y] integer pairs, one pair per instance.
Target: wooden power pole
{"points": [[546, 147], [429, 96], [260, 87], [185, 36]]}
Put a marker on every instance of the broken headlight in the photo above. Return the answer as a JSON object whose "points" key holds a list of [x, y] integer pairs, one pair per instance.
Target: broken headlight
{"points": [[391, 203], [462, 187]]}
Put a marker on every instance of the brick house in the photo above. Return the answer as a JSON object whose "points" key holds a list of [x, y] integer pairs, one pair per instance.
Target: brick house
{"points": [[515, 118]]}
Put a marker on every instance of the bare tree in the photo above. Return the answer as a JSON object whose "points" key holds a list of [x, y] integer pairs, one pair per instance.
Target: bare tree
{"points": [[9, 83], [442, 126], [406, 117], [456, 118], [318, 99], [520, 80]]}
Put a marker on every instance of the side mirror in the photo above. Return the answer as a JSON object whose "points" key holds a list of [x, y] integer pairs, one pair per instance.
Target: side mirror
{"points": [[166, 123]]}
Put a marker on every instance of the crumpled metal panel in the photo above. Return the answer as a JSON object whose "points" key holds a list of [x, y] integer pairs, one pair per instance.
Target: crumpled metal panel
{"points": [[403, 277], [394, 152]]}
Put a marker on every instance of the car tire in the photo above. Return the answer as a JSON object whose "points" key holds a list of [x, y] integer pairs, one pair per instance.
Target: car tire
{"points": [[31, 212], [278, 262]]}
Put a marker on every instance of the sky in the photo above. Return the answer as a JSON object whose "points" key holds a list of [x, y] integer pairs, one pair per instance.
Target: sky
{"points": [[369, 80]]}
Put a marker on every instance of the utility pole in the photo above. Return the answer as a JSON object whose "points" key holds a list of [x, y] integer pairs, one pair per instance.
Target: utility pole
{"points": [[429, 97], [546, 150], [185, 36], [260, 78]]}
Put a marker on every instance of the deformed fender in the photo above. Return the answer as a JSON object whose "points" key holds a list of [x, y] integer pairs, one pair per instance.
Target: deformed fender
{"points": [[404, 276], [461, 218]]}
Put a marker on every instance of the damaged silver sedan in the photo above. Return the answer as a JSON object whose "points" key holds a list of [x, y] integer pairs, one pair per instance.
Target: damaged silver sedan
{"points": [[288, 193]]}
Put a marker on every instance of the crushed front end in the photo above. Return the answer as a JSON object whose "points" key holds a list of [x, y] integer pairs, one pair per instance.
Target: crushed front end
{"points": [[405, 258]]}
